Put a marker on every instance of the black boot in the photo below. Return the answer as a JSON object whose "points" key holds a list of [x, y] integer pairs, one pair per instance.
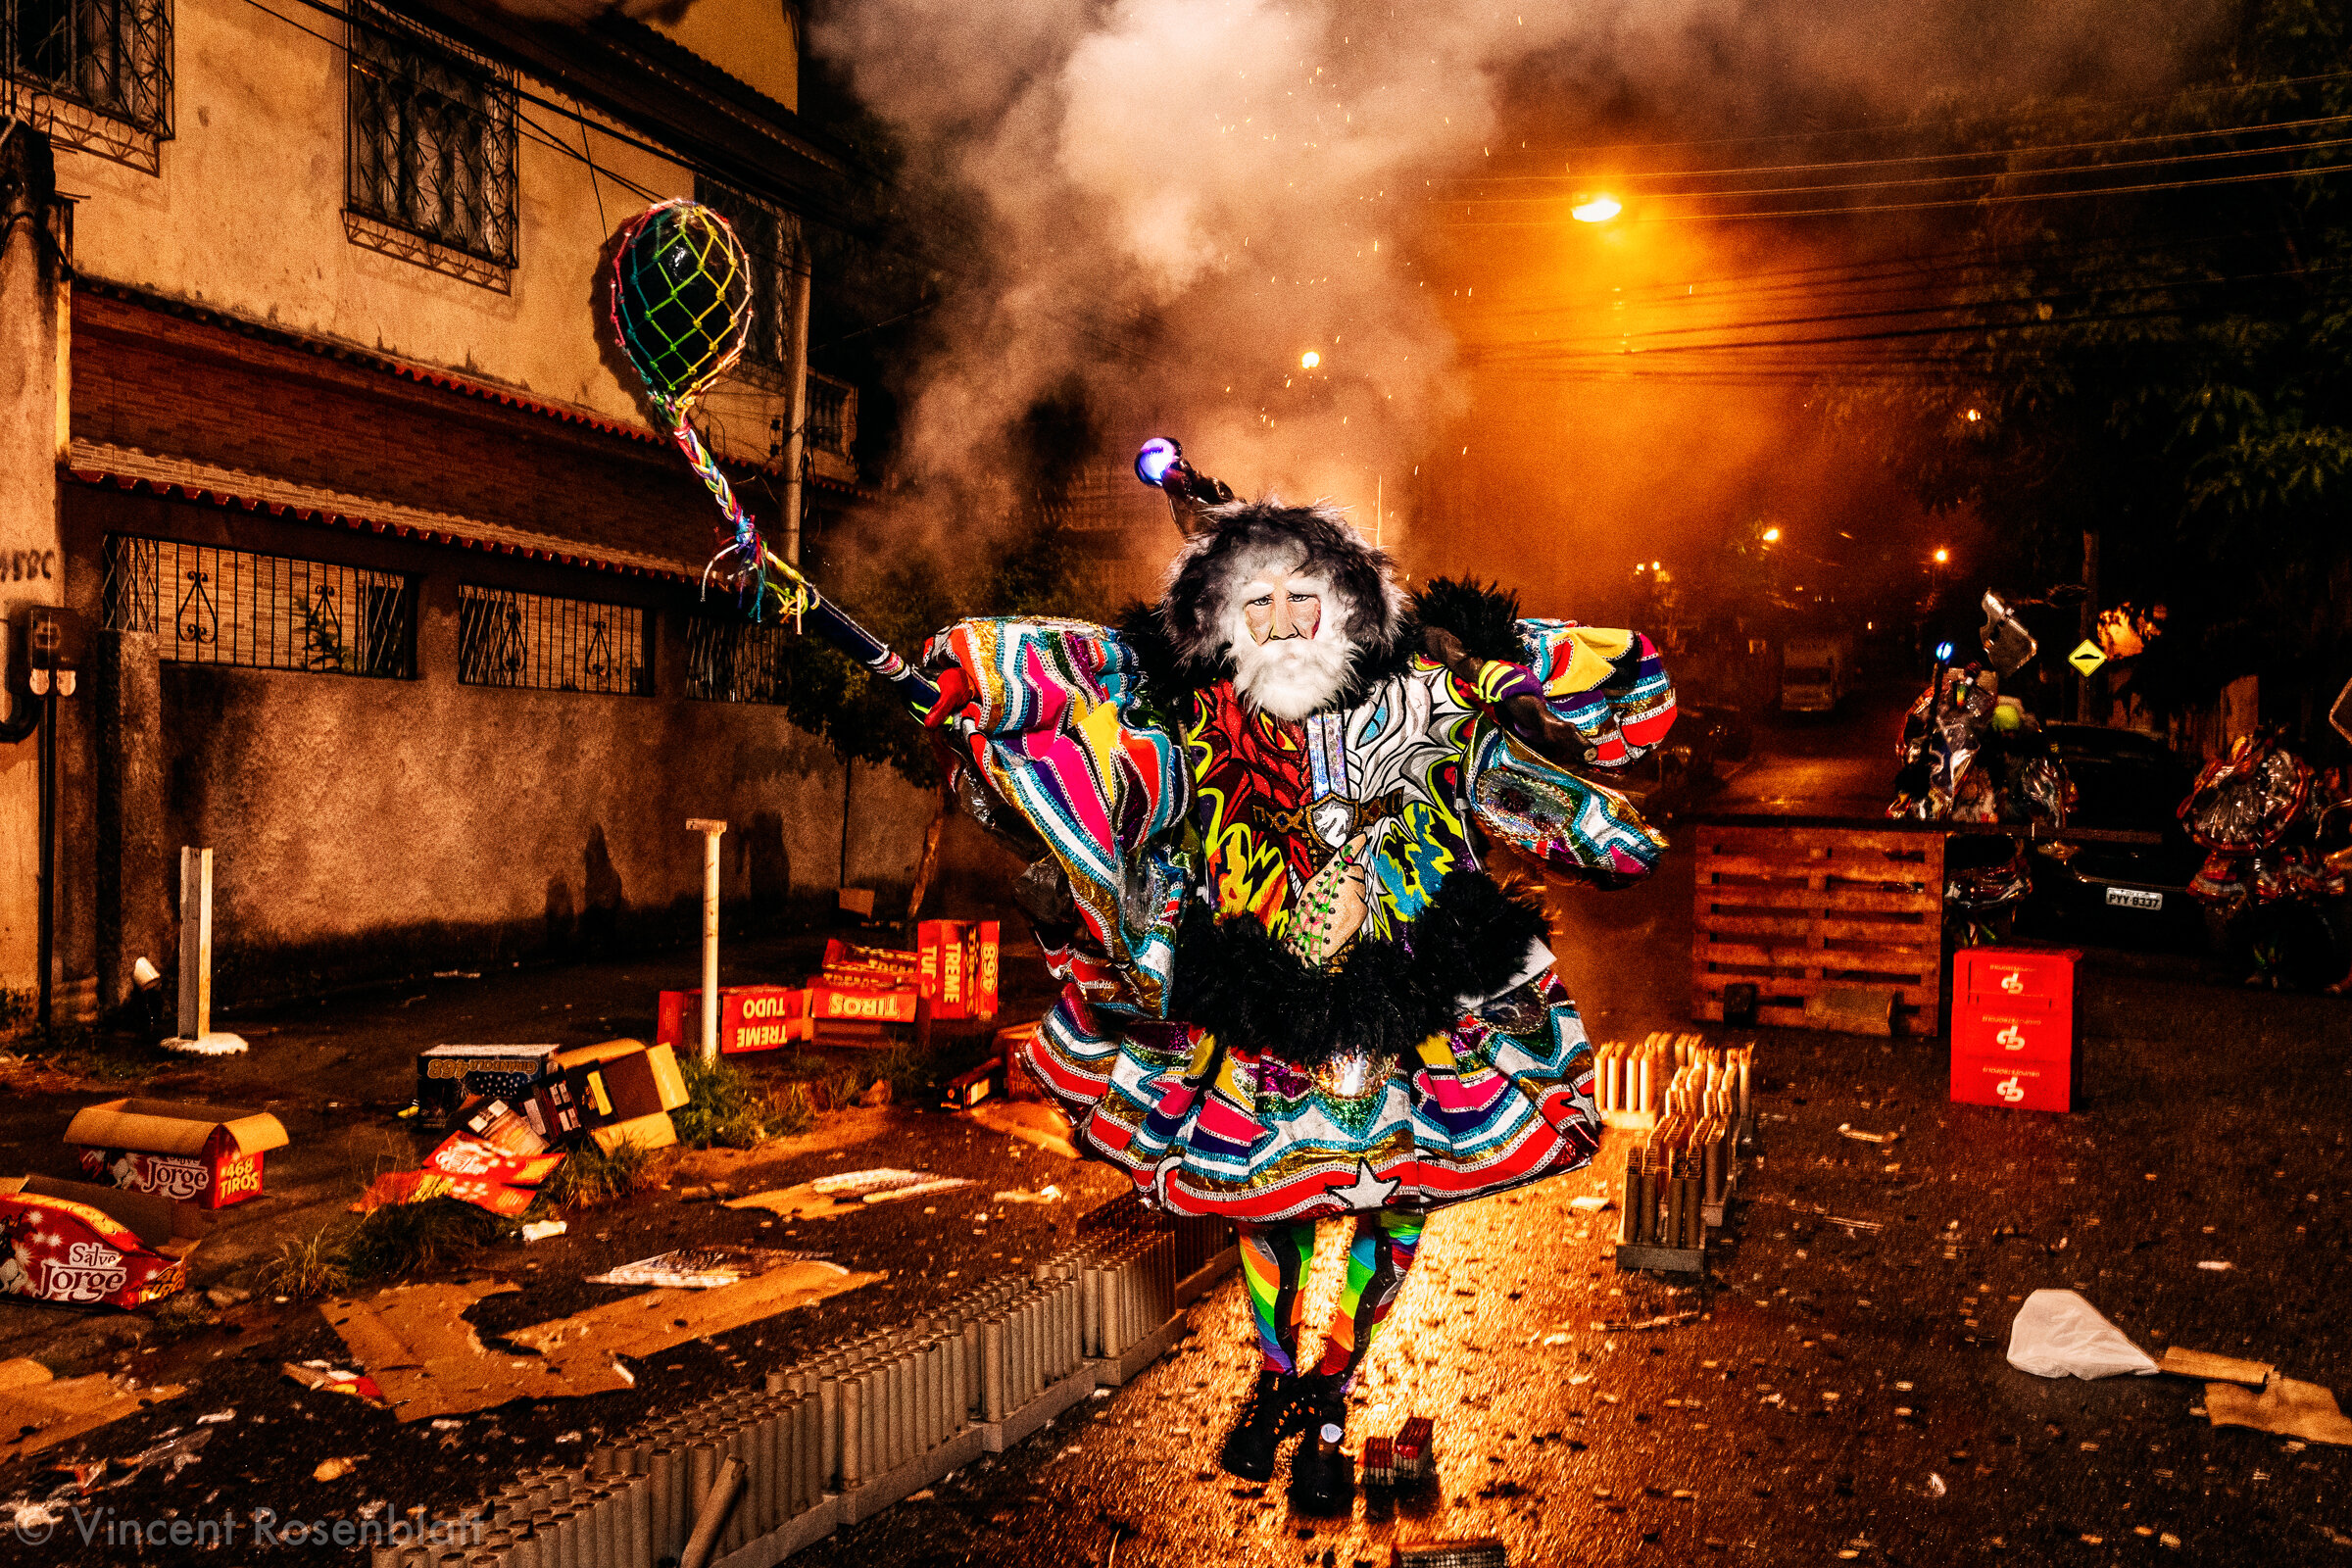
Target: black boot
{"points": [[1270, 1416], [1322, 1475]]}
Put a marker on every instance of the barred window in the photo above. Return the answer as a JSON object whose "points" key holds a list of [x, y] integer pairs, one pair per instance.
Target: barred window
{"points": [[431, 137], [557, 644], [769, 235], [731, 661], [111, 55], [209, 606]]}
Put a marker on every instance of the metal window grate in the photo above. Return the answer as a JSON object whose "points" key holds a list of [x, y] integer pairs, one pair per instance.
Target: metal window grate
{"points": [[556, 645], [111, 55], [431, 137], [832, 414], [209, 606], [770, 236], [737, 662]]}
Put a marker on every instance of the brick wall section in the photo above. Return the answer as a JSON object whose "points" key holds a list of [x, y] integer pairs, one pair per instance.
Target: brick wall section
{"points": [[185, 387]]}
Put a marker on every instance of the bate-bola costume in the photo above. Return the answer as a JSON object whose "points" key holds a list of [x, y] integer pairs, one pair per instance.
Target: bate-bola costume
{"points": [[1292, 988]]}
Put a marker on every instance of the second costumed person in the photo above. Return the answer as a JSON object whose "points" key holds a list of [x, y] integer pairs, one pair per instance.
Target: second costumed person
{"points": [[1260, 816]]}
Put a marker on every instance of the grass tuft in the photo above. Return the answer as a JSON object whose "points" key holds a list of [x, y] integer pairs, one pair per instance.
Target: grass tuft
{"points": [[796, 1111], [307, 1268], [592, 1174], [723, 1107], [403, 1238]]}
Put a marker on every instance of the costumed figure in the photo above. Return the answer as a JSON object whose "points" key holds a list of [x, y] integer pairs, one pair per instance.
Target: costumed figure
{"points": [[1259, 815], [1968, 754], [1292, 989]]}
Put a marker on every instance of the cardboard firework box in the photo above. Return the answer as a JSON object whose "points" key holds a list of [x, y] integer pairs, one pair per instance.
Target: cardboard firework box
{"points": [[750, 1018], [618, 1092], [200, 1154], [497, 1144], [80, 1245], [448, 1076], [861, 990]]}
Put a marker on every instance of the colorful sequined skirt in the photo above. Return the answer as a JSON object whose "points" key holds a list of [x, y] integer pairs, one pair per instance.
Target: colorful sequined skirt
{"points": [[1502, 1098]]}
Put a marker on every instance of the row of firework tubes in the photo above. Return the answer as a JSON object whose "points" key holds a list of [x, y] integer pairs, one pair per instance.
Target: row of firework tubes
{"points": [[1684, 1166], [1637, 1079], [842, 1419]]}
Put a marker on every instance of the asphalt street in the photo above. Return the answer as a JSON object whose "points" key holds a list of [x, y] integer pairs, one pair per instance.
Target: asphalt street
{"points": [[1836, 1391], [1841, 1394]]}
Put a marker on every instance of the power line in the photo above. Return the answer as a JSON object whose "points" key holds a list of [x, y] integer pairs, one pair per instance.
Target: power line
{"points": [[2028, 150], [2001, 199], [1932, 125], [1946, 179]]}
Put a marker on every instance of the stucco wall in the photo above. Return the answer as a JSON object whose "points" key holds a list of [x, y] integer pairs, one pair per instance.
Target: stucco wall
{"points": [[364, 829], [245, 216], [751, 38]]}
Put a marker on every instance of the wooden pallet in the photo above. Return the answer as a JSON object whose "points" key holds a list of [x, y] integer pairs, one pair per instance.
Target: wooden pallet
{"points": [[1797, 910]]}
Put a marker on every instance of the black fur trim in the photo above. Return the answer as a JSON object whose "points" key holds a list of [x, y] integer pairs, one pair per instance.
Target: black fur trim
{"points": [[1167, 683], [1235, 979], [1484, 616]]}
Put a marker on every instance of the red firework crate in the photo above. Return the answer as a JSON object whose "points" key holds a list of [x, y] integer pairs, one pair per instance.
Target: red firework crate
{"points": [[2013, 1032], [847, 1005], [2015, 972], [2013, 1027], [750, 1018], [957, 965], [2017, 1085]]}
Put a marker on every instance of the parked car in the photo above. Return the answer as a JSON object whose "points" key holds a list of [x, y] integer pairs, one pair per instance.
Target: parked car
{"points": [[1688, 763], [2122, 894]]}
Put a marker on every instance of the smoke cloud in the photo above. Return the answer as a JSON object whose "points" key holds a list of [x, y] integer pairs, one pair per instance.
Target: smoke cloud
{"points": [[1235, 183]]}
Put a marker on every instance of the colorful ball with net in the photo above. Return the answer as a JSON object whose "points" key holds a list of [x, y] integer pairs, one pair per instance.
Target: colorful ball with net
{"points": [[681, 300]]}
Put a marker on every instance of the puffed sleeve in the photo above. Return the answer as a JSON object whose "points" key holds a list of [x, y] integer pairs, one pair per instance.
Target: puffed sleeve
{"points": [[1610, 689], [1610, 685], [1059, 727]]}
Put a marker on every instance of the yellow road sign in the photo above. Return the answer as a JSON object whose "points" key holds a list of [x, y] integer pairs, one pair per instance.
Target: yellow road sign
{"points": [[2086, 657]]}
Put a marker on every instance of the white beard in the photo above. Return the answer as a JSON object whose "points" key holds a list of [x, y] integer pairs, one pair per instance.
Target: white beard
{"points": [[1290, 677]]}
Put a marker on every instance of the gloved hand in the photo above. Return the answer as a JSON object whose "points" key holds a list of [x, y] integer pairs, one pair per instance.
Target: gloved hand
{"points": [[1511, 693], [955, 698]]}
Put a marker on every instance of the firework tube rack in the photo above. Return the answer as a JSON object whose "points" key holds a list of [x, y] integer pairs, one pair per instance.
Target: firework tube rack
{"points": [[1690, 1102], [866, 1422]]}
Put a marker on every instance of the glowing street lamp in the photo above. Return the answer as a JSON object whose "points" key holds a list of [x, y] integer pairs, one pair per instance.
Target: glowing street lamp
{"points": [[1597, 209], [1772, 536], [1309, 360], [1942, 556]]}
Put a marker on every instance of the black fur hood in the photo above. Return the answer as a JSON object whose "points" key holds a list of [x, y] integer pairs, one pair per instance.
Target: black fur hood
{"points": [[1181, 648]]}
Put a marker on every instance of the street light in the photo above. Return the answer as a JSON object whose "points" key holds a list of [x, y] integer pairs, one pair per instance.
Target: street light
{"points": [[1942, 556], [1309, 360], [1772, 536], [1598, 208]]}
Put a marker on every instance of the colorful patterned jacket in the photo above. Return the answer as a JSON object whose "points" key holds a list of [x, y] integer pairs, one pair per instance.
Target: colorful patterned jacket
{"points": [[1304, 887]]}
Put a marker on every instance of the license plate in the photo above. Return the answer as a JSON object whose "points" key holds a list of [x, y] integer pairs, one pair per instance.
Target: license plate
{"points": [[2134, 898]]}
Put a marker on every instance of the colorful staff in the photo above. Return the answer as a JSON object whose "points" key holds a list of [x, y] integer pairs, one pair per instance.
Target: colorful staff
{"points": [[682, 311]]}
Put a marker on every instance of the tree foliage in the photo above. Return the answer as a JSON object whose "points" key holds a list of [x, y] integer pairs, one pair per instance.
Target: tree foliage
{"points": [[2168, 367]]}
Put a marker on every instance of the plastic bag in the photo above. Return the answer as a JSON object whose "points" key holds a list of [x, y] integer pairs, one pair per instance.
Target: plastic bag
{"points": [[2057, 1333]]}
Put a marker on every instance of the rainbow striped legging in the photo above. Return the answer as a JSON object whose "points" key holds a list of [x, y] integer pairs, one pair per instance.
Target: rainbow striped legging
{"points": [[1275, 1261]]}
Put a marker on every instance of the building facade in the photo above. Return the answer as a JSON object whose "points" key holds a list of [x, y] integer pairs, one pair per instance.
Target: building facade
{"points": [[321, 471]]}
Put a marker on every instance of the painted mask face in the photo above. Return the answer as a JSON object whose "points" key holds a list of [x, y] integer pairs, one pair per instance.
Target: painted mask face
{"points": [[1278, 604], [1286, 633]]}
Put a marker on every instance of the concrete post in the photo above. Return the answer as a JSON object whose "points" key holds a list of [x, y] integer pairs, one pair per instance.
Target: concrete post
{"points": [[196, 1037], [710, 831]]}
